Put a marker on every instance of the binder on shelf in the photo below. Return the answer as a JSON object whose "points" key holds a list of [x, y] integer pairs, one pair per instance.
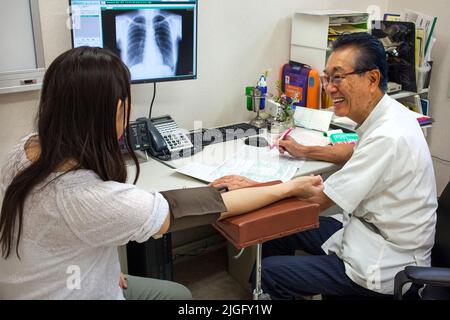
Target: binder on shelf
{"points": [[425, 106], [420, 48], [421, 20]]}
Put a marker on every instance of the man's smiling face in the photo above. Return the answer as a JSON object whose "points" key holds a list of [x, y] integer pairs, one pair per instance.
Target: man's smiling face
{"points": [[350, 93]]}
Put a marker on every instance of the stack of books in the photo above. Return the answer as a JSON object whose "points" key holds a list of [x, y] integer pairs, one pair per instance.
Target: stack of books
{"points": [[423, 119]]}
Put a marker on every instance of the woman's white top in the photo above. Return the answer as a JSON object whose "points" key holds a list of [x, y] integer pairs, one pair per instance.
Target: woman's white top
{"points": [[72, 225], [387, 191]]}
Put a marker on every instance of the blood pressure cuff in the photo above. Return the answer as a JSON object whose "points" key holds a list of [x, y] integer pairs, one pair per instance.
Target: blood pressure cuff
{"points": [[203, 201]]}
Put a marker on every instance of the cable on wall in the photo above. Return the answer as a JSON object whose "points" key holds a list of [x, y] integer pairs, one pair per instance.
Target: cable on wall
{"points": [[440, 159], [153, 100]]}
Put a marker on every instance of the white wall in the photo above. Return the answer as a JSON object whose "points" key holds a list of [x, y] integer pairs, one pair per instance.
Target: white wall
{"points": [[16, 118], [440, 82]]}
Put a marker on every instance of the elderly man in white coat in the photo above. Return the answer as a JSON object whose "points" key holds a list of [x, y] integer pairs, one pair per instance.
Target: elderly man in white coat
{"points": [[386, 188]]}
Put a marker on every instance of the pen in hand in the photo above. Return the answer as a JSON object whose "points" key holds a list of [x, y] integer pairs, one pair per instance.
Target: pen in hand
{"points": [[282, 136]]}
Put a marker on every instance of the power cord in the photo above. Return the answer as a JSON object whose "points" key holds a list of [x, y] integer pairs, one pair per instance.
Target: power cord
{"points": [[153, 100], [440, 159]]}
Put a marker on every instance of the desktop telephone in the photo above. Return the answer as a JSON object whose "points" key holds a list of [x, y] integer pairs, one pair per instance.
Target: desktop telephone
{"points": [[160, 136], [163, 139]]}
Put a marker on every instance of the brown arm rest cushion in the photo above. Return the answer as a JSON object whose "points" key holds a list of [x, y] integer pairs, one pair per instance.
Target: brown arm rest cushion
{"points": [[276, 220]]}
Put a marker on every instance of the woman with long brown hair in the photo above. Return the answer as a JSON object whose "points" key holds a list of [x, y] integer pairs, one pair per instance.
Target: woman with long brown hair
{"points": [[66, 204]]}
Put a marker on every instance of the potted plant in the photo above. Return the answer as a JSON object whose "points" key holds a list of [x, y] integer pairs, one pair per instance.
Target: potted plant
{"points": [[284, 118]]}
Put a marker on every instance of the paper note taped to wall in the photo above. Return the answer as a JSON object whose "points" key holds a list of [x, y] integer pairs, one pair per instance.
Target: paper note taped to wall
{"points": [[312, 118]]}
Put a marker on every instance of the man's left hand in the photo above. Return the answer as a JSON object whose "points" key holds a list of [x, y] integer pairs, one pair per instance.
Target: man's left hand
{"points": [[233, 182]]}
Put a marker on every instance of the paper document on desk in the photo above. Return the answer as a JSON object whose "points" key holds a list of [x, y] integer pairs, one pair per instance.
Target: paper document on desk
{"points": [[259, 164], [310, 138], [198, 171], [312, 119]]}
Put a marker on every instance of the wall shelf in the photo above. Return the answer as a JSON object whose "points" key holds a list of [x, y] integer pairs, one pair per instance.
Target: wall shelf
{"points": [[405, 94]]}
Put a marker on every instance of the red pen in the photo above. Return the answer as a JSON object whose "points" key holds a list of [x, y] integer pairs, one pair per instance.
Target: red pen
{"points": [[282, 136]]}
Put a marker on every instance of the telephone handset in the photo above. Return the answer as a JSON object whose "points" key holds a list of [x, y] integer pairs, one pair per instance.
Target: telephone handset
{"points": [[160, 136], [157, 143]]}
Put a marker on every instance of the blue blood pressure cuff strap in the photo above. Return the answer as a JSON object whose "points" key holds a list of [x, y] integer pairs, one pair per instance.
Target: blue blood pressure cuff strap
{"points": [[195, 202]]}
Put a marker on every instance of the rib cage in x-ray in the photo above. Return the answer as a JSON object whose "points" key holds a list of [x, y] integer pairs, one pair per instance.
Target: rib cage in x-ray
{"points": [[148, 42], [137, 33], [163, 39]]}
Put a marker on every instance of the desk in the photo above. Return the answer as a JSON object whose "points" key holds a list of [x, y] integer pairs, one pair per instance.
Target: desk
{"points": [[216, 154], [158, 175], [154, 175]]}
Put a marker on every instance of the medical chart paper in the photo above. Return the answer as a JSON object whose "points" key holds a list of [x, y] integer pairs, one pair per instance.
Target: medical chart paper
{"points": [[198, 171], [259, 164]]}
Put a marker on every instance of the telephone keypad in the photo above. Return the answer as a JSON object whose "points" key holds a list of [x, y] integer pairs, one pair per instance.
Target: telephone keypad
{"points": [[175, 139]]}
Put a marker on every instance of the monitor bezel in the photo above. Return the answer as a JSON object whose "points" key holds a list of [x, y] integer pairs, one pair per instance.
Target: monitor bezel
{"points": [[166, 79]]}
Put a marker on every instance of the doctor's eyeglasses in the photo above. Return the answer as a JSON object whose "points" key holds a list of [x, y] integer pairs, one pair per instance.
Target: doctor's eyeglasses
{"points": [[336, 79]]}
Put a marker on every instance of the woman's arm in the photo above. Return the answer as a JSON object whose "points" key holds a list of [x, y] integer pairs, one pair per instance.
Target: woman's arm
{"points": [[248, 199]]}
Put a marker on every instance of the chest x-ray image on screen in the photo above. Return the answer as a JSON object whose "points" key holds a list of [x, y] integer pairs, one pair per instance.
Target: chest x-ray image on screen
{"points": [[148, 42]]}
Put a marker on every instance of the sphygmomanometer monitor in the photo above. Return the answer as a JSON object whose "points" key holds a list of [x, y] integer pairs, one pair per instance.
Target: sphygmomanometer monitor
{"points": [[157, 40]]}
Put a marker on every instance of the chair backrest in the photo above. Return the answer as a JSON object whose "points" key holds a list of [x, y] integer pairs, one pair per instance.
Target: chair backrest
{"points": [[440, 255]]}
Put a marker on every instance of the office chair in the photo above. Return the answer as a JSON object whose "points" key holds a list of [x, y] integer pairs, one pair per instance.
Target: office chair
{"points": [[437, 277]]}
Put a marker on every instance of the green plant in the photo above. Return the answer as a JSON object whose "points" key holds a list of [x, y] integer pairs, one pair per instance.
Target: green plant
{"points": [[285, 102]]}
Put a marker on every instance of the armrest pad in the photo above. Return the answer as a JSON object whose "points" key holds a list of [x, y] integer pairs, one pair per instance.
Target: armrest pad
{"points": [[273, 221], [429, 275]]}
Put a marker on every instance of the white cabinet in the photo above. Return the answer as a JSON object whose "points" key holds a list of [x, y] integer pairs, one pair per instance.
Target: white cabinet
{"points": [[313, 31]]}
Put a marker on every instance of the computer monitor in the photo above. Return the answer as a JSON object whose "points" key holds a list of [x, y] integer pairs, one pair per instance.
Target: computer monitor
{"points": [[157, 40]]}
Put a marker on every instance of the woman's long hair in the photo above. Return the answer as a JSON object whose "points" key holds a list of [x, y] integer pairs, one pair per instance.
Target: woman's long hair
{"points": [[76, 121]]}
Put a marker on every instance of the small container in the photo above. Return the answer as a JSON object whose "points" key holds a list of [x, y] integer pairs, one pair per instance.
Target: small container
{"points": [[256, 97], [423, 76], [248, 94]]}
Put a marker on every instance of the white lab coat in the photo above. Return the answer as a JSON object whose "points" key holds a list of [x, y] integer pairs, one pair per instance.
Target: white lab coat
{"points": [[388, 194]]}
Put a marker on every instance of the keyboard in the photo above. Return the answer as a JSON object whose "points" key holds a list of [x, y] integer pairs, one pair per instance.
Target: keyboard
{"points": [[222, 134], [205, 137]]}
